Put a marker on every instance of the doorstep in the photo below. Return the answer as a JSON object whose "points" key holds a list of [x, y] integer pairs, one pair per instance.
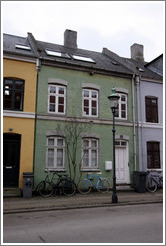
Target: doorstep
{"points": [[12, 192]]}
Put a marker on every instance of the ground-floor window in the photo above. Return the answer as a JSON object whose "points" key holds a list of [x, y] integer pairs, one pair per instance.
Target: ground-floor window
{"points": [[153, 155], [55, 153], [90, 153]]}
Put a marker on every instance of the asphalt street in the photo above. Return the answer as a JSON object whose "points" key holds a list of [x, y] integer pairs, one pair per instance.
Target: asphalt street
{"points": [[141, 223]]}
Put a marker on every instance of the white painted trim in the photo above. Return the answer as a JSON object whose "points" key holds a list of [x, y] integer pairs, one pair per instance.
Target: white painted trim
{"points": [[18, 114], [57, 81], [90, 86], [25, 59], [150, 125], [83, 120]]}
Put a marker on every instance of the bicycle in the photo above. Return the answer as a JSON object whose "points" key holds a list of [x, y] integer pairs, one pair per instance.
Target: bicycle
{"points": [[64, 185], [154, 180], [86, 184]]}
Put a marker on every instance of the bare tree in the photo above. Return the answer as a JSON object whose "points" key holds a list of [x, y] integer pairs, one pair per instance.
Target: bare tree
{"points": [[73, 131]]}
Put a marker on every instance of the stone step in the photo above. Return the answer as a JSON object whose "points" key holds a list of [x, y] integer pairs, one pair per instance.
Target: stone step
{"points": [[11, 192]]}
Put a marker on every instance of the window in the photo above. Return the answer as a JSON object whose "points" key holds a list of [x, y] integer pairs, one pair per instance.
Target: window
{"points": [[57, 53], [121, 111], [151, 105], [153, 155], [55, 153], [57, 99], [13, 94], [90, 153], [90, 102], [83, 58]]}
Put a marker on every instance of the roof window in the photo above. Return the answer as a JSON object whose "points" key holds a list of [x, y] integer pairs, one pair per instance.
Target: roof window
{"points": [[56, 53], [23, 47], [83, 58]]}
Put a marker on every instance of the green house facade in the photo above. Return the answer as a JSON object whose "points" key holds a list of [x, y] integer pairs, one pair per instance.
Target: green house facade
{"points": [[73, 116]]}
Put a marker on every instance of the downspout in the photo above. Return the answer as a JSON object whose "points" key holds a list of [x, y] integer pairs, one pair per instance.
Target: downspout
{"points": [[38, 69], [134, 125]]}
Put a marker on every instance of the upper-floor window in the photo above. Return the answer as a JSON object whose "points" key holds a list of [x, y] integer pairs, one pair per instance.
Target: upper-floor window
{"points": [[55, 153], [57, 99], [121, 111], [90, 102], [90, 153], [13, 94], [151, 105], [153, 155]]}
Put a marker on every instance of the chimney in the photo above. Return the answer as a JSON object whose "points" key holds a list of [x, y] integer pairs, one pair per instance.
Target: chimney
{"points": [[137, 52], [70, 39]]}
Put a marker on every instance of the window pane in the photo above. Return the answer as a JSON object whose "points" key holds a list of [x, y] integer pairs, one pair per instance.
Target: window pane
{"points": [[61, 90], [50, 157], [85, 143], [51, 141], [86, 103], [123, 98], [86, 93], [61, 100], [94, 94], [52, 89], [19, 85], [61, 109], [123, 114], [94, 144], [94, 103], [60, 142], [86, 111], [94, 111], [52, 108], [52, 99]]}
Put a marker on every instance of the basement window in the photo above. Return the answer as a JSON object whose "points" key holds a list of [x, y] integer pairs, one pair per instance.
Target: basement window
{"points": [[23, 47], [83, 58], [56, 53]]}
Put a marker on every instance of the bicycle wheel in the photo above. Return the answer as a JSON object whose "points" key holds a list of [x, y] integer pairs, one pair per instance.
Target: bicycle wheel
{"points": [[84, 186], [103, 185], [150, 187], [68, 188], [46, 189]]}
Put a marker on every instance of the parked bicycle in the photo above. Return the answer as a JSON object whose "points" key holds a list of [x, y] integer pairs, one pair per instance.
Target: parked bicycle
{"points": [[93, 181], [154, 180], [64, 185]]}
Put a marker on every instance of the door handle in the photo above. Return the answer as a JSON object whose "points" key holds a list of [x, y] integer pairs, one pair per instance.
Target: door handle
{"points": [[9, 167]]}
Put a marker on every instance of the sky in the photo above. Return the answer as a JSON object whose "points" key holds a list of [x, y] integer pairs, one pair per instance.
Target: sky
{"points": [[115, 25]]}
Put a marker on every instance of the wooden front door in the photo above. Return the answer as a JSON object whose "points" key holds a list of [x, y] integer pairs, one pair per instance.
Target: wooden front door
{"points": [[122, 162], [11, 159]]}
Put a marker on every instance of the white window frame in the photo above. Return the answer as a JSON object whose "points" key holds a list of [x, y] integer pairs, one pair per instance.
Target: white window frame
{"points": [[90, 100], [90, 148], [120, 103], [57, 96], [55, 147]]}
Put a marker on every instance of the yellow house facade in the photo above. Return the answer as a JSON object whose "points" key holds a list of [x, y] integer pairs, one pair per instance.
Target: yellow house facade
{"points": [[19, 103]]}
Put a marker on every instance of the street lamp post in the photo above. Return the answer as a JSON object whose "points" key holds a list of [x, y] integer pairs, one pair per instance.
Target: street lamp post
{"points": [[114, 98]]}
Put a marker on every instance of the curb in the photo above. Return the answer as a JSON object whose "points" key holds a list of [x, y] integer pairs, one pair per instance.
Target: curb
{"points": [[27, 210]]}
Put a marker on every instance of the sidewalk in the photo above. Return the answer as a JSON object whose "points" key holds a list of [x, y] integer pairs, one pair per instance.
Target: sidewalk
{"points": [[93, 199]]}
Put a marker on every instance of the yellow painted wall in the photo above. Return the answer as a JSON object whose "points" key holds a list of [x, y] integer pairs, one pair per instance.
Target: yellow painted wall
{"points": [[26, 71], [23, 126]]}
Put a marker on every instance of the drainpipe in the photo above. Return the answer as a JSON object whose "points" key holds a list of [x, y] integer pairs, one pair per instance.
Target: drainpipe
{"points": [[38, 69], [134, 125]]}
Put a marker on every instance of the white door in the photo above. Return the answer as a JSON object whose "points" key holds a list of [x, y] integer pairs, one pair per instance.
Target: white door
{"points": [[122, 162]]}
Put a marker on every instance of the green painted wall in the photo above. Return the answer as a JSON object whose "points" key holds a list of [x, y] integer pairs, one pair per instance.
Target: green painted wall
{"points": [[74, 108]]}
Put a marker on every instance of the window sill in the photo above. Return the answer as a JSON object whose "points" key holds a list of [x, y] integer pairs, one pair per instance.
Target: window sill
{"points": [[91, 170], [55, 169]]}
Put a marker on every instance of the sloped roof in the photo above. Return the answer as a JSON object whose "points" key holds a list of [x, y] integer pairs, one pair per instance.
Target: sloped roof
{"points": [[17, 46], [99, 60]]}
